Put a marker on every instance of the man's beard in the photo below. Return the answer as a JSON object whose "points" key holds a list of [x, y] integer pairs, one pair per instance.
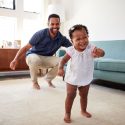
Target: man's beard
{"points": [[52, 30]]}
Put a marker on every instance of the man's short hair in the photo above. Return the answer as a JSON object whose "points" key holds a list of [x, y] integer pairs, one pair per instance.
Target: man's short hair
{"points": [[53, 16]]}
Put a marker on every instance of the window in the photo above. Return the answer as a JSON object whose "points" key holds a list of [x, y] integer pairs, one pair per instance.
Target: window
{"points": [[7, 31], [32, 6], [8, 4], [19, 25]]}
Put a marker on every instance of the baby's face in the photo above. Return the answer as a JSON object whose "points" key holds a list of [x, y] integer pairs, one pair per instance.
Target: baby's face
{"points": [[80, 40]]}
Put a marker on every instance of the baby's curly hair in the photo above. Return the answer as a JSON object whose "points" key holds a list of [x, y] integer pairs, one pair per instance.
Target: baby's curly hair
{"points": [[77, 27]]}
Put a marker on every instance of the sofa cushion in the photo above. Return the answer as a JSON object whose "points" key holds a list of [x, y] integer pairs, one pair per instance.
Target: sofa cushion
{"points": [[110, 65]]}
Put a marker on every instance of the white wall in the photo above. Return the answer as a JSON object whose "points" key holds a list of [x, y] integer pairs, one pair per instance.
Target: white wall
{"points": [[105, 19]]}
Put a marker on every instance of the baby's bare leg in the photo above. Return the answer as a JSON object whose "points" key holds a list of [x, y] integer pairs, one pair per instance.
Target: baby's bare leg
{"points": [[83, 92], [71, 94]]}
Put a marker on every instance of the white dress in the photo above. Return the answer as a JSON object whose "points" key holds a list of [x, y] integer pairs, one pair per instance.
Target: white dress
{"points": [[80, 67]]}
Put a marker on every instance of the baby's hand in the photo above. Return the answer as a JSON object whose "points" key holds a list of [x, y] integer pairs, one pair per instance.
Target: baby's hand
{"points": [[97, 52], [61, 72]]}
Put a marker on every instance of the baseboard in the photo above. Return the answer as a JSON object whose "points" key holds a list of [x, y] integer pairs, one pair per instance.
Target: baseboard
{"points": [[14, 73]]}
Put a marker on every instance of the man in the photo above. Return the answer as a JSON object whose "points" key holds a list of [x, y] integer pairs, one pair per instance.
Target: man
{"points": [[40, 50]]}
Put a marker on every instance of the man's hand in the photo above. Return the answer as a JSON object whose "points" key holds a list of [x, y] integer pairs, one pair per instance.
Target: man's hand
{"points": [[13, 64], [19, 54]]}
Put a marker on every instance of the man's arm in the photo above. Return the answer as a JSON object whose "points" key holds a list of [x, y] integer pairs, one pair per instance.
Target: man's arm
{"points": [[19, 54], [66, 42]]}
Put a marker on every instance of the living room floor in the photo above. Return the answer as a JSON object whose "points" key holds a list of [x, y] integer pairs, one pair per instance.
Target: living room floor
{"points": [[20, 104]]}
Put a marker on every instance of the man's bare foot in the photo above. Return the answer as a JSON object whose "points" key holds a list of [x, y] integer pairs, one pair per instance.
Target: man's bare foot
{"points": [[36, 86], [67, 118], [86, 114], [50, 84]]}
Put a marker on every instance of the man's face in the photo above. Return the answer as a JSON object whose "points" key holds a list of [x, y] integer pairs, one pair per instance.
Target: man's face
{"points": [[54, 25]]}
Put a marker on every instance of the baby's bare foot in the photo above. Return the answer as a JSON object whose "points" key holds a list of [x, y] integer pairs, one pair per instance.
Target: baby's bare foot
{"points": [[67, 118], [86, 114], [36, 86]]}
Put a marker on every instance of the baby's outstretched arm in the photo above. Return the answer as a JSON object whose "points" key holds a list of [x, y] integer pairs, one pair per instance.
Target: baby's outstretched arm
{"points": [[98, 52], [63, 61]]}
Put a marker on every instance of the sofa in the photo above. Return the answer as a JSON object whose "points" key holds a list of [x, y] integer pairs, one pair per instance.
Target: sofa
{"points": [[111, 67]]}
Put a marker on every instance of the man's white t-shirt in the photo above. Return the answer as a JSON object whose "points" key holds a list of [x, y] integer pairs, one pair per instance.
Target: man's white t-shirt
{"points": [[80, 67]]}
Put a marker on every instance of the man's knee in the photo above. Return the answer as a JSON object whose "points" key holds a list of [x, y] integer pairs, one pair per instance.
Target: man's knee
{"points": [[32, 59]]}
